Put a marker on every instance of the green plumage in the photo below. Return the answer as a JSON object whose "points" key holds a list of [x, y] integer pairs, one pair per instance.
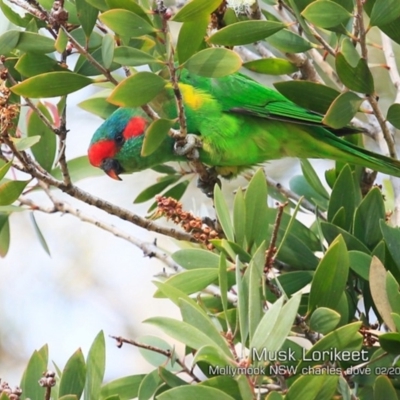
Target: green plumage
{"points": [[242, 123]]}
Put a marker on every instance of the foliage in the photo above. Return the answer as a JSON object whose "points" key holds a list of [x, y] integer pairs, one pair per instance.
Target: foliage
{"points": [[270, 308]]}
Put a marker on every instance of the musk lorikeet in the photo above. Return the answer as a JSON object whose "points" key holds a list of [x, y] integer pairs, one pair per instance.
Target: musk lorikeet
{"points": [[240, 122]]}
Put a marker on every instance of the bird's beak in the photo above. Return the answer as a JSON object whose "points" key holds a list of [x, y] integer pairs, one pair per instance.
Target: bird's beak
{"points": [[112, 168]]}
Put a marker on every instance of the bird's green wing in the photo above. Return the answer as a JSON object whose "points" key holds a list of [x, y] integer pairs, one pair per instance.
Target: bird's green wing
{"points": [[240, 94]]}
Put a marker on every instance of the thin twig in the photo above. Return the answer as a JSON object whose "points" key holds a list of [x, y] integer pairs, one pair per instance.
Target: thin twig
{"points": [[291, 195], [167, 353], [371, 98]]}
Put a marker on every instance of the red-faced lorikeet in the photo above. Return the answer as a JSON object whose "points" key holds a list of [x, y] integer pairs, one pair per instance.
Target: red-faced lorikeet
{"points": [[241, 123]]}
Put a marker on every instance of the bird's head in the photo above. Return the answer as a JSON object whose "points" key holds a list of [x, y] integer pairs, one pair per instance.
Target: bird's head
{"points": [[116, 145]]}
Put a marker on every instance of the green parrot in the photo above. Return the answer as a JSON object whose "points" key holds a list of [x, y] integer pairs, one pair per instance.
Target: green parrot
{"points": [[240, 122]]}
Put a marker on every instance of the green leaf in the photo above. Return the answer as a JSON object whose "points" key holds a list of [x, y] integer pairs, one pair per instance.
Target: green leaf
{"points": [[350, 53], [196, 10], [310, 95], [392, 239], [73, 376], [223, 284], [126, 23], [155, 135], [94, 40], [155, 189], [292, 282], [342, 110], [25, 143], [331, 231], [312, 178], [14, 17], [194, 392], [383, 387], [44, 151], [214, 62], [51, 84], [326, 14], [324, 320], [225, 383], [79, 168], [169, 378], [245, 32], [384, 11], [360, 263], [357, 78], [107, 50], [129, 56], [191, 36], [98, 105], [35, 43], [330, 278], [4, 234], [377, 285], [194, 315], [390, 342], [344, 194], [182, 331], [393, 293], [344, 338], [87, 15], [212, 356], [95, 367], [152, 357], [10, 191], [256, 268], [313, 386], [191, 281], [61, 41], [393, 115], [145, 85], [367, 218], [266, 326], [281, 329], [126, 388], [271, 66], [287, 41], [196, 258], [300, 185], [256, 209], [223, 214], [130, 5], [34, 370], [8, 41], [4, 169], [148, 387], [31, 64], [85, 67], [239, 218], [39, 234]]}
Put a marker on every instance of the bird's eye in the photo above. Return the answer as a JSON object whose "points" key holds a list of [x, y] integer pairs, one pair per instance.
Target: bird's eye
{"points": [[119, 139]]}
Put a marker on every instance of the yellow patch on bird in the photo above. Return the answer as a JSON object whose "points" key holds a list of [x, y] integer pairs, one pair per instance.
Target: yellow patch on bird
{"points": [[192, 97]]}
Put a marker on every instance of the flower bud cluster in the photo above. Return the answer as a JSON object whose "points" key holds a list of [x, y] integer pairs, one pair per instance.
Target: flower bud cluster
{"points": [[172, 209]]}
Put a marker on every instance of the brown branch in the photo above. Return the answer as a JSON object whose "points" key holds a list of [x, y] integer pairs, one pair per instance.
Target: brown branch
{"points": [[89, 57], [372, 98], [271, 251], [167, 353]]}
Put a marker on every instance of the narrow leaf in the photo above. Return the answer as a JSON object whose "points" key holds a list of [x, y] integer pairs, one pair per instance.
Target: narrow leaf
{"points": [[51, 84], [214, 63], [145, 86]]}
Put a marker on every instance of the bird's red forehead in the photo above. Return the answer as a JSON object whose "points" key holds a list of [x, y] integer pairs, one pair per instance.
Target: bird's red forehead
{"points": [[135, 127], [100, 151]]}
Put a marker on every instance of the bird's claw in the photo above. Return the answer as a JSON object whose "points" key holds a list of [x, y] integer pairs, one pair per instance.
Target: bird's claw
{"points": [[207, 185], [188, 146]]}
